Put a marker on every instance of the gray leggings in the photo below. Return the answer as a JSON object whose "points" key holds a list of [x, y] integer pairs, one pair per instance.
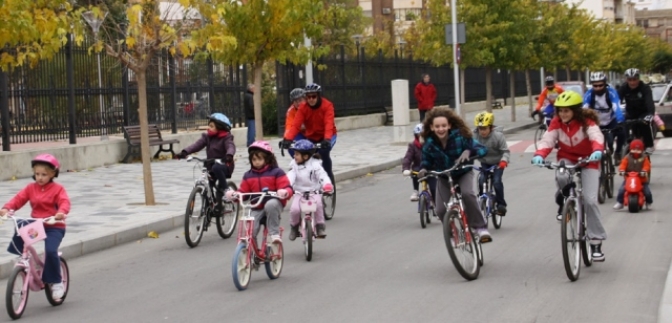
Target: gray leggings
{"points": [[590, 179], [469, 199], [272, 210]]}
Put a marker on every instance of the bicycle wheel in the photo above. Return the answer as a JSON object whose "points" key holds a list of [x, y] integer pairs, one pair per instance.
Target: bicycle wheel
{"points": [[479, 253], [226, 224], [496, 217], [274, 260], [16, 298], [483, 205], [571, 249], [461, 246], [538, 134], [308, 240], [610, 177], [585, 246], [329, 203], [633, 203], [423, 211], [241, 267], [65, 276], [194, 223]]}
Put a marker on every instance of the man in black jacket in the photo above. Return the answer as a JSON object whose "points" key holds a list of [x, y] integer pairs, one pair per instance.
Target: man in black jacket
{"points": [[638, 105], [249, 113]]}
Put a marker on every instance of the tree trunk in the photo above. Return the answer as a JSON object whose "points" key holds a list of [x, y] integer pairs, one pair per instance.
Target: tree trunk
{"points": [[488, 88], [140, 77], [462, 97], [568, 73], [258, 120], [528, 84], [512, 87]]}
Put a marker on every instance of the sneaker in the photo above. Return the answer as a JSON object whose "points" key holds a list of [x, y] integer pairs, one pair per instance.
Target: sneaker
{"points": [[57, 291], [596, 249], [414, 196], [275, 238], [294, 232], [321, 231], [648, 151], [648, 206], [484, 235], [558, 217], [618, 206], [501, 209]]}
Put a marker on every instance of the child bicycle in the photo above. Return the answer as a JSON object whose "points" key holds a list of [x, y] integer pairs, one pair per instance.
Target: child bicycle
{"points": [[308, 230], [425, 200], [457, 233], [27, 273], [487, 199], [547, 114], [573, 222], [248, 255], [202, 198]]}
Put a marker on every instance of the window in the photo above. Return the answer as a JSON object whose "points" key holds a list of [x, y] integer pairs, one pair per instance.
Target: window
{"points": [[653, 22]]}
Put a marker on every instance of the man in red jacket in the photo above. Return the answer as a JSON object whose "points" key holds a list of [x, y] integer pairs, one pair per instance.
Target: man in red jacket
{"points": [[317, 115], [425, 94]]}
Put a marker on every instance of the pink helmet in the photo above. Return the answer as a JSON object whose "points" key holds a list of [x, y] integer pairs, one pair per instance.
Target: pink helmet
{"points": [[46, 159], [260, 144]]}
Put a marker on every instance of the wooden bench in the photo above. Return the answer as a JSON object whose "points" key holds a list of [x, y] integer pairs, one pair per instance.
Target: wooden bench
{"points": [[132, 136], [497, 104]]}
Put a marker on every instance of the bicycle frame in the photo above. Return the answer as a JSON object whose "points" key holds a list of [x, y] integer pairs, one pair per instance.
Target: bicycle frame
{"points": [[246, 228], [575, 190], [308, 206], [424, 190], [487, 190]]}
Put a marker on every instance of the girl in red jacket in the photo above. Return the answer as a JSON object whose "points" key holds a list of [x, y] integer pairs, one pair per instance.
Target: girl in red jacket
{"points": [[265, 174], [425, 94], [577, 133], [46, 199]]}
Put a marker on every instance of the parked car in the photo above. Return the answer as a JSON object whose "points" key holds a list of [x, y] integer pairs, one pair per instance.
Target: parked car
{"points": [[576, 86]]}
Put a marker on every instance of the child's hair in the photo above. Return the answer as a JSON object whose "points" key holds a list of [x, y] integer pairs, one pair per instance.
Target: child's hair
{"points": [[453, 119], [583, 115], [269, 158]]}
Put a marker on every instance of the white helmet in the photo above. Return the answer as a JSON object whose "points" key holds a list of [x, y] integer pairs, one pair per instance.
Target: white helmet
{"points": [[418, 129], [598, 77], [632, 72]]}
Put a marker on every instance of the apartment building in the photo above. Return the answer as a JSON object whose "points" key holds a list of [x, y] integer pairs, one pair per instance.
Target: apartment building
{"points": [[656, 23], [617, 11], [652, 4], [392, 15]]}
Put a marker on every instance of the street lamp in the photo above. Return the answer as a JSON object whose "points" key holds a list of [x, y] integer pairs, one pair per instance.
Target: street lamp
{"points": [[95, 22]]}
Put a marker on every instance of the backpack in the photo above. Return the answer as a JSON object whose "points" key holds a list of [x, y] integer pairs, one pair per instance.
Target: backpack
{"points": [[608, 97]]}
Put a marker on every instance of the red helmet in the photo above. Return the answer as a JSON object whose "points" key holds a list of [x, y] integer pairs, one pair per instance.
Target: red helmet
{"points": [[260, 144], [46, 159], [637, 145]]}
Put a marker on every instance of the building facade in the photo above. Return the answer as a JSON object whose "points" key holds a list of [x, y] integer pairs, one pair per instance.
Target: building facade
{"points": [[656, 23], [616, 11]]}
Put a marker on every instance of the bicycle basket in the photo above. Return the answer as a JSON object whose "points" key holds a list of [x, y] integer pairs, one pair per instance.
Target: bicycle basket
{"points": [[308, 205], [32, 233]]}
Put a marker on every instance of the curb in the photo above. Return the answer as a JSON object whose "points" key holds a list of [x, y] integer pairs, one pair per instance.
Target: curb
{"points": [[665, 307], [75, 249]]}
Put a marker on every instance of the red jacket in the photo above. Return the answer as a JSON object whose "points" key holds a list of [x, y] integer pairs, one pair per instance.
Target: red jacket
{"points": [[573, 143], [425, 94], [272, 178], [319, 122], [45, 201]]}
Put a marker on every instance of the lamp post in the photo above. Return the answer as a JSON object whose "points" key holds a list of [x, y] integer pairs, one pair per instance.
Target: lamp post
{"points": [[95, 22], [456, 67]]}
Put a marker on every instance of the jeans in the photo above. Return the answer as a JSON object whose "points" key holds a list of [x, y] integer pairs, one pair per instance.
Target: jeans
{"points": [[469, 199], [496, 183], [251, 131], [221, 173], [422, 115], [645, 132], [647, 193], [609, 137], [324, 154], [52, 263]]}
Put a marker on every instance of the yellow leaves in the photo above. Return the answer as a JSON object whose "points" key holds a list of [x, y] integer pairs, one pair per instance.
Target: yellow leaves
{"points": [[184, 3], [130, 42], [153, 235]]}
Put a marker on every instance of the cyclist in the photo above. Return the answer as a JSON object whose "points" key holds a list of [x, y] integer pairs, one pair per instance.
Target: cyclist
{"points": [[218, 143], [638, 104], [604, 100], [498, 154], [550, 93], [46, 199], [577, 134], [317, 114], [448, 141], [412, 161], [635, 162], [297, 96], [306, 174], [265, 175]]}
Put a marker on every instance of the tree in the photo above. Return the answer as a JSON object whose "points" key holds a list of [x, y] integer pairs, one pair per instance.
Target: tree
{"points": [[341, 20]]}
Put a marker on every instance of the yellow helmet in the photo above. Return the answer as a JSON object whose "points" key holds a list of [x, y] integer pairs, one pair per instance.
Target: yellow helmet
{"points": [[568, 99], [484, 119]]}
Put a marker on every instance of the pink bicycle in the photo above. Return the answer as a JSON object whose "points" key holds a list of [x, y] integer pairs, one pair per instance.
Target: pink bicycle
{"points": [[248, 255], [27, 273], [308, 206]]}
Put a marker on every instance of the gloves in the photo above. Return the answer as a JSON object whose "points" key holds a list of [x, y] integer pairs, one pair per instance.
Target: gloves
{"points": [[643, 174], [534, 114], [231, 195], [537, 160], [325, 143], [503, 164], [595, 156], [648, 118], [328, 188], [182, 155], [406, 172], [621, 173], [229, 159], [464, 157], [283, 193], [285, 143], [422, 173]]}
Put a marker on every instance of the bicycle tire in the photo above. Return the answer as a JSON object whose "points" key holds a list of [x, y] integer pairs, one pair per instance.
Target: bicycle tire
{"points": [[479, 253], [275, 260], [538, 134], [610, 177], [226, 224], [585, 246], [199, 221], [329, 204], [455, 233], [308, 240], [14, 312], [633, 203], [423, 211], [65, 276], [241, 267], [602, 189], [569, 225], [496, 217], [483, 205]]}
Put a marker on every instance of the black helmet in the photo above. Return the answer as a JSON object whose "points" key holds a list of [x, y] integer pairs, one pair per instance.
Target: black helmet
{"points": [[313, 88]]}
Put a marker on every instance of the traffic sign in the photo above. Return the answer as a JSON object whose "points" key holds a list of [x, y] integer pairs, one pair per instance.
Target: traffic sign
{"points": [[461, 33]]}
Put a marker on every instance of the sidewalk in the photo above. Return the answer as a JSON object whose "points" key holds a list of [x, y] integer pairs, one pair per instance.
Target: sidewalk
{"points": [[107, 202]]}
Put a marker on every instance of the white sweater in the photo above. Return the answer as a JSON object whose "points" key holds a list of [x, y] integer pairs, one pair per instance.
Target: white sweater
{"points": [[310, 176]]}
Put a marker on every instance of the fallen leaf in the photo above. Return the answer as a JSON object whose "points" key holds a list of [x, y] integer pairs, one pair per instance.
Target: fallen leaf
{"points": [[153, 235], [369, 174], [13, 178]]}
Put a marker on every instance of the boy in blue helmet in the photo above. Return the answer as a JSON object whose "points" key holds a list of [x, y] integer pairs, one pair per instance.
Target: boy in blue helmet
{"points": [[218, 143]]}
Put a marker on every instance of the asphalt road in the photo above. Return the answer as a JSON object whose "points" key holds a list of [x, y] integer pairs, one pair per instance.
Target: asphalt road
{"points": [[378, 265]]}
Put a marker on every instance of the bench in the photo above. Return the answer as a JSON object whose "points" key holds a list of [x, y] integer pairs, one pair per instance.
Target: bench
{"points": [[497, 105], [132, 136]]}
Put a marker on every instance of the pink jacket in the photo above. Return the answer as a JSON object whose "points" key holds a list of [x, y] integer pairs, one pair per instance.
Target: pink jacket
{"points": [[45, 201], [573, 142]]}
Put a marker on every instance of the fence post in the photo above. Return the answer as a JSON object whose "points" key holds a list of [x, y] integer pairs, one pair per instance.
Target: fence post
{"points": [[69, 68], [211, 85], [381, 81], [344, 91], [126, 96], [173, 93], [4, 106]]}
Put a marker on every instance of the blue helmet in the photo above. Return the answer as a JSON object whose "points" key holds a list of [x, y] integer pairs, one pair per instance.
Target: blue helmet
{"points": [[313, 88], [221, 121], [418, 129], [304, 146]]}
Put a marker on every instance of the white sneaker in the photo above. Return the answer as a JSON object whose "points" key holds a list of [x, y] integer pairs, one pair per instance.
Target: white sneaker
{"points": [[484, 235], [649, 150], [57, 290], [618, 206], [414, 196], [275, 238]]}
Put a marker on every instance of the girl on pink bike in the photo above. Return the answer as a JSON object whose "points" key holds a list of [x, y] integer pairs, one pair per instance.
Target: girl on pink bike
{"points": [[47, 199], [265, 175], [306, 175]]}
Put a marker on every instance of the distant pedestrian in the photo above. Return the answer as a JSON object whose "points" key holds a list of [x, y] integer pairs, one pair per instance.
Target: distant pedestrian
{"points": [[249, 114], [425, 94]]}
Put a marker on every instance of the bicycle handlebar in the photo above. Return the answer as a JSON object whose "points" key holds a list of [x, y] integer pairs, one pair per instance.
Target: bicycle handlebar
{"points": [[10, 216], [579, 164], [488, 170], [259, 197], [205, 160]]}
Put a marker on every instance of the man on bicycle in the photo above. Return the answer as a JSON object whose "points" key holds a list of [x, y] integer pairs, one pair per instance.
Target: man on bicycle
{"points": [[317, 115], [603, 99], [638, 105], [550, 93]]}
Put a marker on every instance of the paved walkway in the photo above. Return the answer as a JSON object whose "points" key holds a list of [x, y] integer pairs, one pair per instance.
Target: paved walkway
{"points": [[107, 202]]}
